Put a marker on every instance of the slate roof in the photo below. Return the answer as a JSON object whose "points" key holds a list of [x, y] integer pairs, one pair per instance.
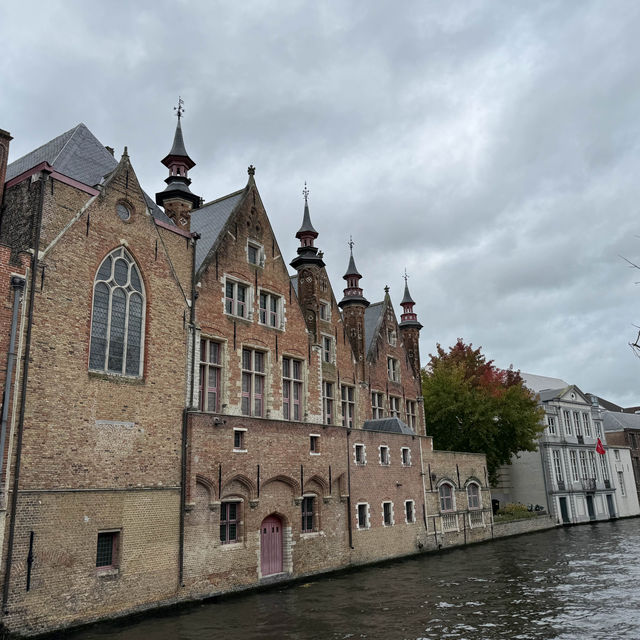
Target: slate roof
{"points": [[306, 222], [388, 425], [209, 220], [178, 148], [79, 155], [294, 282], [351, 269], [407, 299], [550, 394], [372, 316], [538, 383], [617, 421]]}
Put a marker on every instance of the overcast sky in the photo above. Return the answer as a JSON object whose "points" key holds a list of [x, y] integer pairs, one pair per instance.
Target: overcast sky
{"points": [[491, 148]]}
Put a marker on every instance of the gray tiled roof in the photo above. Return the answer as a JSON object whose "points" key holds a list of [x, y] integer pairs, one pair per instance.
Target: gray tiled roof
{"points": [[352, 270], [617, 421], [538, 383], [550, 394], [388, 425], [178, 148], [407, 299], [372, 315], [77, 154], [209, 220], [294, 282], [306, 221]]}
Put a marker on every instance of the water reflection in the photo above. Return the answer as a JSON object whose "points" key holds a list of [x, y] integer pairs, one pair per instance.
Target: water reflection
{"points": [[580, 582]]}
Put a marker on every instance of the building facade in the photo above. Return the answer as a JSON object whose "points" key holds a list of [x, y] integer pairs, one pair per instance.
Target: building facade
{"points": [[183, 417], [623, 430]]}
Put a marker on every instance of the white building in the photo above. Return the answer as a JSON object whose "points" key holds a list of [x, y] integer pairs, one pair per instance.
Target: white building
{"points": [[623, 480], [566, 475]]}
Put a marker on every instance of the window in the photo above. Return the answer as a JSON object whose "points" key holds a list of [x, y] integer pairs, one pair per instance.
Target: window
{"points": [[598, 429], [362, 513], [551, 421], [123, 212], [348, 405], [605, 469], [406, 456], [252, 382], [409, 511], [473, 496], [327, 349], [616, 454], [108, 548], [325, 311], [446, 497], [255, 254], [557, 467], [567, 422], [117, 320], [576, 421], [387, 514], [236, 299], [394, 407], [592, 464], [384, 454], [307, 514], [392, 338], [327, 402], [393, 369], [270, 306], [623, 491], [587, 424], [377, 405], [314, 444], [573, 457], [583, 464], [229, 512], [291, 388], [411, 414], [359, 454], [238, 440], [210, 373]]}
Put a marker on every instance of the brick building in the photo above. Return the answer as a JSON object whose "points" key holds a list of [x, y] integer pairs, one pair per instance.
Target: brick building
{"points": [[184, 417]]}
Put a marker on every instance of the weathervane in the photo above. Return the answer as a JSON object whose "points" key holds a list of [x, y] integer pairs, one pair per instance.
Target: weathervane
{"points": [[351, 243], [405, 276], [179, 109], [305, 192]]}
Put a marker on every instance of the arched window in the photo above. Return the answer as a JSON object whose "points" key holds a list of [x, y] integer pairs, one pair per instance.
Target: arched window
{"points": [[473, 496], [446, 497], [117, 321]]}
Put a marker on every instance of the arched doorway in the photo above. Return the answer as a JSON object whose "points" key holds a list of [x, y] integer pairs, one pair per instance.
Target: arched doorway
{"points": [[271, 545]]}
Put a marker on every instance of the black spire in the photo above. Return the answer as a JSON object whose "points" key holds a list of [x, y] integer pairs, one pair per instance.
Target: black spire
{"points": [[307, 253], [353, 291]]}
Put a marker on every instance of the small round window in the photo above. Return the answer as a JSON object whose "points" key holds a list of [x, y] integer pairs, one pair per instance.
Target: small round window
{"points": [[123, 212]]}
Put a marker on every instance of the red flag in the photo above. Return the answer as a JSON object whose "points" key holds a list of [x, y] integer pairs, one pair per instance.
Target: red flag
{"points": [[599, 447]]}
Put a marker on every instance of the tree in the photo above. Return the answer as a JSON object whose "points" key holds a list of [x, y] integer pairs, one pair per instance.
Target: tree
{"points": [[471, 405]]}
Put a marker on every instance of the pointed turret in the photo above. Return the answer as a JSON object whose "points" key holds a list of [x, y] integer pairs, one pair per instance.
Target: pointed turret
{"points": [[353, 291], [307, 253], [177, 199], [410, 328]]}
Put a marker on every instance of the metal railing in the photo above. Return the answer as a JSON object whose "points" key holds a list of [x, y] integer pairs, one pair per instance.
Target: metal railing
{"points": [[589, 484]]}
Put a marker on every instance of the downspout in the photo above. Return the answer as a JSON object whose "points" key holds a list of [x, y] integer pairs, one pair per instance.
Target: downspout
{"points": [[424, 487], [17, 283], [349, 516], [185, 421], [44, 175]]}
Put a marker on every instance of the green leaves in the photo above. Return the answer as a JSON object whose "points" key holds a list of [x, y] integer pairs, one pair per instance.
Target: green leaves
{"points": [[471, 405]]}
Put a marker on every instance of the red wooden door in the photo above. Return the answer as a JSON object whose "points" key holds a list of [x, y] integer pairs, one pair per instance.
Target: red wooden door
{"points": [[271, 545]]}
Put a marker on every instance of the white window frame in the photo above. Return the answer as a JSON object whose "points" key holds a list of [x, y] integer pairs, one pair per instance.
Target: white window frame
{"points": [[235, 302], [393, 369], [243, 439], [557, 465], [586, 424], [411, 413], [314, 437], [359, 446], [413, 511], [392, 337], [328, 349], [328, 402], [253, 374], [407, 458], [347, 405], [551, 425], [367, 516], [377, 405], [567, 422], [392, 519], [291, 383], [452, 496], [259, 253], [324, 310], [394, 406], [479, 496], [269, 297], [384, 455], [573, 459]]}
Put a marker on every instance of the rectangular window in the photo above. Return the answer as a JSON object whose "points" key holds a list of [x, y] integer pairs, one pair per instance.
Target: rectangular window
{"points": [[586, 424], [392, 337], [387, 514], [605, 469], [325, 311], [359, 454], [598, 429], [393, 369], [394, 407], [583, 464], [623, 489], [348, 405], [307, 514], [573, 457], [576, 422], [327, 349], [291, 388], [327, 402], [254, 254], [557, 467], [409, 511], [253, 381], [314, 444], [411, 414], [377, 405], [567, 422], [406, 456], [108, 550], [229, 522], [236, 299], [592, 464], [270, 310], [210, 374], [363, 520], [384, 455], [238, 440], [616, 454], [551, 421]]}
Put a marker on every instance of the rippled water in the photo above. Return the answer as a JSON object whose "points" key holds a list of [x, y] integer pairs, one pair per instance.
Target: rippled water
{"points": [[579, 582]]}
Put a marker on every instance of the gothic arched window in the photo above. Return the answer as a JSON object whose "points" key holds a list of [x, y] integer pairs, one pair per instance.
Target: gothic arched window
{"points": [[117, 320], [446, 497]]}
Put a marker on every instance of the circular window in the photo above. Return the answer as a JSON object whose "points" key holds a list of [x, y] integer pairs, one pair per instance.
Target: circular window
{"points": [[123, 212]]}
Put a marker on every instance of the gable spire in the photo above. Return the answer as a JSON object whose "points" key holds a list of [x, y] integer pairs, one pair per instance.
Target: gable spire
{"points": [[307, 252], [353, 292], [408, 317]]}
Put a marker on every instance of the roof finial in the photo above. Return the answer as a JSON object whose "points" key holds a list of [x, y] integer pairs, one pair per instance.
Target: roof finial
{"points": [[351, 243], [179, 109], [305, 192], [405, 276], [386, 289], [251, 170]]}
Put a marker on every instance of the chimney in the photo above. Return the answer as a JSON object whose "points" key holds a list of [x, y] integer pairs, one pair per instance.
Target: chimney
{"points": [[5, 139]]}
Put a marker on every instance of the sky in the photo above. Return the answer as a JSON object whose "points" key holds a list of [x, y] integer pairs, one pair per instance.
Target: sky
{"points": [[490, 148]]}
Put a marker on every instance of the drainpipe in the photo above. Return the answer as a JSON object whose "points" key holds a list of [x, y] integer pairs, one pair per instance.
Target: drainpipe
{"points": [[424, 487], [349, 516], [17, 284], [44, 176]]}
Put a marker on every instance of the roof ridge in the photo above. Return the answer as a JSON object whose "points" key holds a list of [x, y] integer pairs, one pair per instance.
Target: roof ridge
{"points": [[64, 146], [221, 198]]}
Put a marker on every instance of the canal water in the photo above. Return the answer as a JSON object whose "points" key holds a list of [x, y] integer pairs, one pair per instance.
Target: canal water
{"points": [[572, 583]]}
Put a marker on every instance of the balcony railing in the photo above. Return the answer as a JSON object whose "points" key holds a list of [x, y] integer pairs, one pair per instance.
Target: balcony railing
{"points": [[476, 519], [589, 484], [580, 439], [607, 483], [560, 484], [449, 522]]}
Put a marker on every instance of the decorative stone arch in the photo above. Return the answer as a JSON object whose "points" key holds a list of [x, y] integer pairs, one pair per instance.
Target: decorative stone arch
{"points": [[290, 482], [341, 482], [446, 480], [210, 486], [472, 479], [318, 485], [246, 483], [446, 502]]}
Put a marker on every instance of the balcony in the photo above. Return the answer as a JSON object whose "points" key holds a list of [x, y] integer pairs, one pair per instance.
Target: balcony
{"points": [[588, 484], [607, 483], [476, 519], [560, 484], [580, 439], [449, 522]]}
